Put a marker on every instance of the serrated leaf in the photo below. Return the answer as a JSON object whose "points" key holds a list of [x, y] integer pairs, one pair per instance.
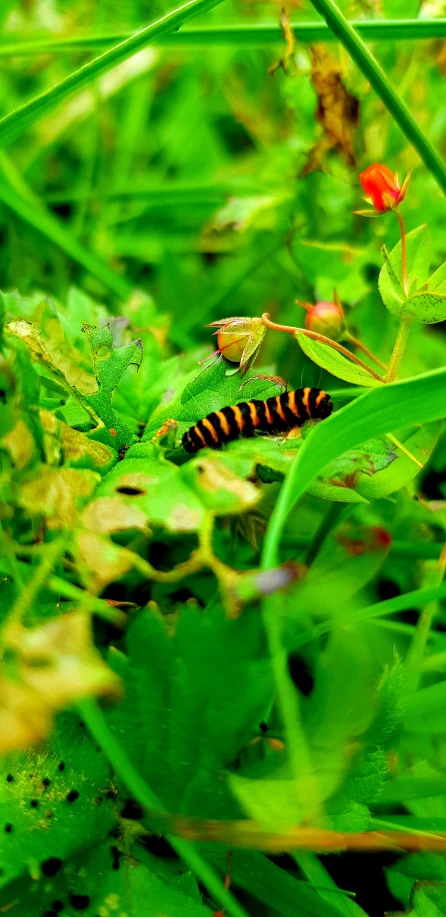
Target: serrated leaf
{"points": [[390, 281], [192, 716], [335, 363], [211, 390], [109, 364]]}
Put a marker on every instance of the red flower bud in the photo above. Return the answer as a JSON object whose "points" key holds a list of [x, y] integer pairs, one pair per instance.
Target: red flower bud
{"points": [[382, 187], [326, 318]]}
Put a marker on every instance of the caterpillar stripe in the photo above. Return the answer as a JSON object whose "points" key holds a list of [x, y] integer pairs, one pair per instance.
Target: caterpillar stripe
{"points": [[275, 415]]}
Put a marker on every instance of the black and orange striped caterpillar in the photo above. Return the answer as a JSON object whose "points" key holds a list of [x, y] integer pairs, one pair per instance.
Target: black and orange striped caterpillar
{"points": [[275, 415]]}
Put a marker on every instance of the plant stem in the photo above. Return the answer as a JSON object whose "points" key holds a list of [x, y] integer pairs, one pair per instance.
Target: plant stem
{"points": [[399, 346], [92, 715], [403, 252], [377, 78], [290, 329], [364, 349], [328, 523]]}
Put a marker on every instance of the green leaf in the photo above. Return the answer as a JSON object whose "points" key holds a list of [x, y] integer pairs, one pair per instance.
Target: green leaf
{"points": [[106, 875], [388, 407], [425, 710], [183, 718], [56, 827], [17, 122], [437, 280], [334, 362], [390, 281], [429, 308], [403, 469], [109, 364]]}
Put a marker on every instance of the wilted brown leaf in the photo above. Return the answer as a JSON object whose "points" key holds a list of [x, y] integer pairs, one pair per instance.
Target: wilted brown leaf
{"points": [[337, 111], [53, 666]]}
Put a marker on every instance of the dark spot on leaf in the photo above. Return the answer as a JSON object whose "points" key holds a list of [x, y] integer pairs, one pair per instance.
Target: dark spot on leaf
{"points": [[34, 803], [2, 396], [61, 766], [51, 866], [57, 906], [263, 726], [9, 778], [80, 902], [99, 800], [158, 846], [50, 914], [8, 828], [82, 724], [300, 674], [72, 796], [111, 794], [130, 491], [115, 857], [114, 832], [132, 810], [49, 814], [46, 781]]}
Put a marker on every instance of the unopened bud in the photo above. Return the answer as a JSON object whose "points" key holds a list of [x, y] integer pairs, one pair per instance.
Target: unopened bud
{"points": [[239, 339], [326, 318]]}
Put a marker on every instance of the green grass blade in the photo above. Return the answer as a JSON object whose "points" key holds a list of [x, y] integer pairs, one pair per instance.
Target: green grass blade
{"points": [[257, 35], [29, 209], [94, 718], [17, 122], [378, 411], [377, 78]]}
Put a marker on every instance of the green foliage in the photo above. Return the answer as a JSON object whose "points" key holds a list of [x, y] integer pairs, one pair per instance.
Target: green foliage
{"points": [[240, 651]]}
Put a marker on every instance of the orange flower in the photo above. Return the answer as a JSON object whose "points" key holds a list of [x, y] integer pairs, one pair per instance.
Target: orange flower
{"points": [[382, 187]]}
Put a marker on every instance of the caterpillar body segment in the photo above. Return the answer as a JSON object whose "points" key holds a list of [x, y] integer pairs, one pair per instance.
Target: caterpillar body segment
{"points": [[278, 414]]}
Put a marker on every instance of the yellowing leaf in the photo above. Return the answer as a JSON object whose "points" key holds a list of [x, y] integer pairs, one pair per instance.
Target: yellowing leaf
{"points": [[19, 442], [56, 493], [53, 666], [114, 514], [218, 487], [99, 560]]}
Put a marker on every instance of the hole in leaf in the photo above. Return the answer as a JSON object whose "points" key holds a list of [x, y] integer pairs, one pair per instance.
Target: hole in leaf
{"points": [[51, 866], [34, 803], [61, 766], [132, 810], [102, 352], [9, 778], [80, 902], [8, 828], [72, 796], [130, 491]]}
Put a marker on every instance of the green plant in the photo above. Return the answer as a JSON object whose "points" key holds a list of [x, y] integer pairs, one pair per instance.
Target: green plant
{"points": [[209, 660]]}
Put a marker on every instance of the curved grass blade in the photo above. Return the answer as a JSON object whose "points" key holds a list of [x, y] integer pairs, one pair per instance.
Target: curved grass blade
{"points": [[17, 122], [378, 411]]}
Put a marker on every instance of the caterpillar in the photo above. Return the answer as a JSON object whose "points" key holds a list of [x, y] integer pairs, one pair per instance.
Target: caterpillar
{"points": [[275, 415]]}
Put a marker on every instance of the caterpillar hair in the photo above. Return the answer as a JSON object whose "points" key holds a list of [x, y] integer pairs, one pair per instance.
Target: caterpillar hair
{"points": [[275, 415]]}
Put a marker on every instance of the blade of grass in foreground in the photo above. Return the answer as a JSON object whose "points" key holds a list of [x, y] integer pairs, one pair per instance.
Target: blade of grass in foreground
{"points": [[242, 34], [123, 767], [380, 410], [377, 78], [17, 122]]}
